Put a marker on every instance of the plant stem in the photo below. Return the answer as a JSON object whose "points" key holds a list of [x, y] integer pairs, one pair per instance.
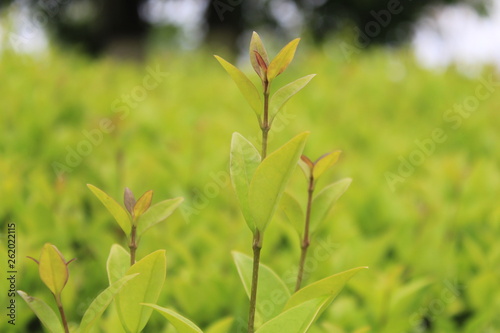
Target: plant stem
{"points": [[257, 245], [133, 245], [63, 315], [257, 240], [265, 126], [306, 241]]}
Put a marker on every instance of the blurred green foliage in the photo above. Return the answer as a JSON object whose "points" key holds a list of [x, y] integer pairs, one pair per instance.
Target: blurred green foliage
{"points": [[431, 241]]}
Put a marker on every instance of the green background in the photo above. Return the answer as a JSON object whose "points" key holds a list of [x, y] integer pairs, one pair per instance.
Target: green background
{"points": [[430, 239]]}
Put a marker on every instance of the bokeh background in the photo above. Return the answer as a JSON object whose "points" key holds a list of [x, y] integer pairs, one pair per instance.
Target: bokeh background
{"points": [[127, 93]]}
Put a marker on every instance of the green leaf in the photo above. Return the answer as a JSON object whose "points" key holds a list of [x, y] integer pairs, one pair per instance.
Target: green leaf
{"points": [[297, 319], [44, 312], [119, 213], [256, 45], [101, 302], [181, 324], [53, 269], [221, 326], [325, 162], [157, 213], [118, 263], [129, 200], [329, 287], [246, 86], [143, 204], [272, 293], [281, 96], [282, 60], [326, 199], [145, 289], [270, 179], [244, 160], [294, 213]]}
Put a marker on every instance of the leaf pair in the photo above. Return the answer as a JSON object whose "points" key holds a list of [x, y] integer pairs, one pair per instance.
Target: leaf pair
{"points": [[282, 312], [139, 207], [267, 71], [321, 205], [138, 213], [53, 269], [135, 304], [260, 185], [315, 169], [54, 275], [151, 273]]}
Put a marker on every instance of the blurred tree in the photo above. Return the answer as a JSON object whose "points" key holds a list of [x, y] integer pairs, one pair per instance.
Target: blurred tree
{"points": [[224, 22], [103, 25], [381, 21], [98, 25], [93, 26]]}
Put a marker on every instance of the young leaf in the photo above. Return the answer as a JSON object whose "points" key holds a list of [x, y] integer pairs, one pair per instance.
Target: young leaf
{"points": [[270, 179], [145, 289], [143, 204], [221, 326], [44, 312], [101, 302], [297, 319], [272, 293], [329, 287], [157, 213], [256, 46], [129, 200], [53, 269], [294, 213], [119, 213], [281, 96], [244, 160], [325, 162], [246, 86], [117, 264], [282, 60], [326, 199], [306, 165], [181, 324]]}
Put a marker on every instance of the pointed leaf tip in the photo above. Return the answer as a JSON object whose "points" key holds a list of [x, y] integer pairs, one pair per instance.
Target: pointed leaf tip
{"points": [[157, 213], [129, 200], [119, 213], [44, 312], [326, 199], [181, 324], [258, 56], [280, 97], [328, 287], [282, 60], [142, 205], [246, 87], [325, 162]]}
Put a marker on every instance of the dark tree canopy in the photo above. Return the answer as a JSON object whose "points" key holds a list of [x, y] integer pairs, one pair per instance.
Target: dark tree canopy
{"points": [[97, 25]]}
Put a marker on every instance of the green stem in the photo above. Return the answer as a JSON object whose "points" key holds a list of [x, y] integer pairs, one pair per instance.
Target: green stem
{"points": [[133, 245], [63, 315], [257, 246], [257, 240], [306, 240], [265, 126]]}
